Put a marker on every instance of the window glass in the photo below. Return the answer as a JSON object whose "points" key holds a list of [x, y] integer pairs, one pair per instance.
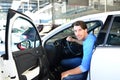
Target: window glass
{"points": [[93, 27], [114, 35], [24, 32]]}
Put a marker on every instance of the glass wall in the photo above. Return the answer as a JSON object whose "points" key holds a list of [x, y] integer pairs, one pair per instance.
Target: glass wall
{"points": [[62, 11], [58, 11]]}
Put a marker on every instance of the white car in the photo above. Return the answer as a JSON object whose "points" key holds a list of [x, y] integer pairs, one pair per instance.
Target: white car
{"points": [[105, 60], [39, 59]]}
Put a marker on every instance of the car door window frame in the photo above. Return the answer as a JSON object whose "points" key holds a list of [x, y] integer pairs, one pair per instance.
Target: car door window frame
{"points": [[113, 34], [69, 31]]}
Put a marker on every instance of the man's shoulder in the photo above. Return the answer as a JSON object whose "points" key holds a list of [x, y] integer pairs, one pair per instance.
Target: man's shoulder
{"points": [[92, 36]]}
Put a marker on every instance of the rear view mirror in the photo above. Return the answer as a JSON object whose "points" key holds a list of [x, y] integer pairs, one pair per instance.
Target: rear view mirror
{"points": [[40, 28]]}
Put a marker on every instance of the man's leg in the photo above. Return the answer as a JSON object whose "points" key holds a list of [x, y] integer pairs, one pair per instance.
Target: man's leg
{"points": [[71, 63]]}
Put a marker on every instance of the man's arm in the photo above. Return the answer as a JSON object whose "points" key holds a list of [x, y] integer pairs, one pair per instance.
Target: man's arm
{"points": [[69, 38]]}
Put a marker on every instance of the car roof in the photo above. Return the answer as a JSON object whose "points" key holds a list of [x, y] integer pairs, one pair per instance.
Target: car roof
{"points": [[99, 16]]}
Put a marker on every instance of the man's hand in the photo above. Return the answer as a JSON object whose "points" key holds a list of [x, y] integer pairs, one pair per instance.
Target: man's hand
{"points": [[73, 71], [69, 38], [64, 74]]}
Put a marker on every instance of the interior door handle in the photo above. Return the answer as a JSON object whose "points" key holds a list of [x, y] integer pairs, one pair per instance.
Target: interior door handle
{"points": [[33, 67]]}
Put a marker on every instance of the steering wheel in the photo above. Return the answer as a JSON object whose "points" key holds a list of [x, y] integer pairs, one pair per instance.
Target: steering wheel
{"points": [[74, 48], [69, 44]]}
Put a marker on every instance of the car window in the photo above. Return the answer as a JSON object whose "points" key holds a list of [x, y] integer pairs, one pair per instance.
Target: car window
{"points": [[114, 35], [93, 27], [23, 31]]}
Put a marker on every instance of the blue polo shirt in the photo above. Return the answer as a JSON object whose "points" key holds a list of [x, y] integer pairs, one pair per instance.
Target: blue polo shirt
{"points": [[88, 46]]}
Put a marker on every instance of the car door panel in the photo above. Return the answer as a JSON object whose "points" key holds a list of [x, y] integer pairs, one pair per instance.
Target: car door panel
{"points": [[105, 64], [23, 58], [22, 61]]}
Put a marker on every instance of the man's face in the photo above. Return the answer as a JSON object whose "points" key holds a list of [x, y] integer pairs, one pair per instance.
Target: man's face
{"points": [[79, 32]]}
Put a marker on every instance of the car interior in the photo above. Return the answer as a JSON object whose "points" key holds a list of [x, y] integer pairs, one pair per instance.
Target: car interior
{"points": [[58, 48]]}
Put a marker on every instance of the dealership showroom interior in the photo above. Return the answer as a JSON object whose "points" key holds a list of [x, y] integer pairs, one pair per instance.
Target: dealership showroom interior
{"points": [[36, 36], [52, 13]]}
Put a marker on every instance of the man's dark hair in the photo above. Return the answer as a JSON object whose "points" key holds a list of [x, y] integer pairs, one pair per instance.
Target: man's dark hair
{"points": [[81, 24]]}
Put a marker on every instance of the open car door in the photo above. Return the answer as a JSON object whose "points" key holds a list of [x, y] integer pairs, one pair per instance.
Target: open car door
{"points": [[25, 57]]}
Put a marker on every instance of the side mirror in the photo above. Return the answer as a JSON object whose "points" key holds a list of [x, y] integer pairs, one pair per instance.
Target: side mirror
{"points": [[24, 45]]}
